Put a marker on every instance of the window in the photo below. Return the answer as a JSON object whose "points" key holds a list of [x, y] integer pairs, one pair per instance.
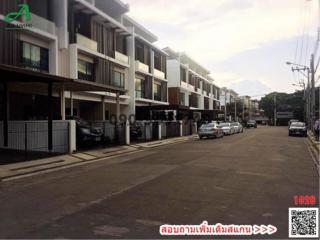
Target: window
{"points": [[157, 61], [157, 91], [139, 52], [183, 75], [118, 79], [34, 57], [85, 70], [182, 99], [140, 88]]}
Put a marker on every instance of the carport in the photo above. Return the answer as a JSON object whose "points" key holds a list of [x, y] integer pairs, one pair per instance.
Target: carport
{"points": [[21, 78]]}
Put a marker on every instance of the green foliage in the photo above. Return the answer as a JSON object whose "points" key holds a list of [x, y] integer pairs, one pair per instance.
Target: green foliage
{"points": [[293, 102]]}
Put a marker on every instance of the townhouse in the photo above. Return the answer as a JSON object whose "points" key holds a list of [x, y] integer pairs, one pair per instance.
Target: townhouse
{"points": [[190, 86], [230, 103], [82, 58]]}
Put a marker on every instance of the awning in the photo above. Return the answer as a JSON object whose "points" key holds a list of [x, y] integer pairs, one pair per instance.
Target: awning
{"points": [[11, 74]]}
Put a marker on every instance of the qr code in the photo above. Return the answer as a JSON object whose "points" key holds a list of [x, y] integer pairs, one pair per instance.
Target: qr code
{"points": [[303, 222]]}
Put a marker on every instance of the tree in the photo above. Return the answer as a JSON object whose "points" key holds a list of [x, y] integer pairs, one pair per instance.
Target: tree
{"points": [[293, 102]]}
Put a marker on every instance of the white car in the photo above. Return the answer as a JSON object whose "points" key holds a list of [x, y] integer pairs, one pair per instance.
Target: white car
{"points": [[238, 128], [227, 128]]}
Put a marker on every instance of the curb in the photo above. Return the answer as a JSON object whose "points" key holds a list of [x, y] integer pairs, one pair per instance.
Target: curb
{"points": [[313, 143], [137, 148]]}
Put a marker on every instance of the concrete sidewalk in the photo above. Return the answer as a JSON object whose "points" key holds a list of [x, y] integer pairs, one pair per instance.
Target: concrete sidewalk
{"points": [[23, 169]]}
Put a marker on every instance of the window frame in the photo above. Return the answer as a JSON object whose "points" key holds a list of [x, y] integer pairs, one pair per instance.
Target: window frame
{"points": [[159, 91], [122, 79], [88, 66], [142, 86], [42, 54]]}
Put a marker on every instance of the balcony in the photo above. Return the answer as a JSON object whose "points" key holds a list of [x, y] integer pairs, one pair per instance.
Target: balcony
{"points": [[141, 67], [199, 90], [42, 24], [184, 85], [121, 57], [190, 87], [205, 93], [158, 74], [87, 42]]}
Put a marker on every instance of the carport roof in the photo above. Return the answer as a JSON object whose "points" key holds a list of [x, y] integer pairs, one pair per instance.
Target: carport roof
{"points": [[12, 74]]}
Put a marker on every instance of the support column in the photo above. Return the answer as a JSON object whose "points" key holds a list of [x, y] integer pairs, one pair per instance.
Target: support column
{"points": [[6, 114], [50, 116], [103, 109], [71, 103], [118, 106], [159, 131], [63, 103], [131, 109], [127, 133], [72, 136]]}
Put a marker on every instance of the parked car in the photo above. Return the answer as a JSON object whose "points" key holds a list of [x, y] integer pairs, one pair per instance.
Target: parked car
{"points": [[86, 133], [298, 129], [292, 121], [227, 128], [238, 128], [210, 130], [251, 124]]}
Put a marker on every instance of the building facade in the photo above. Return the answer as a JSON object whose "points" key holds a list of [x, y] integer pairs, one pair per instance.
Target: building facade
{"points": [[93, 41], [190, 85]]}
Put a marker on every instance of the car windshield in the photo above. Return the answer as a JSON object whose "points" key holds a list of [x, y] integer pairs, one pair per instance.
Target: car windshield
{"points": [[224, 124], [211, 125], [298, 124]]}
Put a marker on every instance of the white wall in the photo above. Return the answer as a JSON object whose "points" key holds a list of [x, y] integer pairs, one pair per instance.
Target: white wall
{"points": [[60, 17], [173, 73]]}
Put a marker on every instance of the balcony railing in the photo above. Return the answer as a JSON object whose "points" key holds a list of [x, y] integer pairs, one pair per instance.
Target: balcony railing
{"points": [[190, 87], [205, 93], [142, 67], [184, 84], [199, 90], [121, 57], [42, 24], [87, 42], [158, 74]]}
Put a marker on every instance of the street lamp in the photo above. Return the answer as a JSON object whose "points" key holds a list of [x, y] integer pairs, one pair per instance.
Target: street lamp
{"points": [[302, 68]]}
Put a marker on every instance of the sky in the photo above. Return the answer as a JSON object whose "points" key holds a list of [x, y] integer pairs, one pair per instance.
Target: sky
{"points": [[244, 43]]}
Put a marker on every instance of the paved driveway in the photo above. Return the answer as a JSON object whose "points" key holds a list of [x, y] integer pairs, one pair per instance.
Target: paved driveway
{"points": [[249, 178]]}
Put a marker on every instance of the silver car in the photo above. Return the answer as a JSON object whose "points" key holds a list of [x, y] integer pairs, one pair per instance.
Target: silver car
{"points": [[227, 128], [238, 128], [210, 130]]}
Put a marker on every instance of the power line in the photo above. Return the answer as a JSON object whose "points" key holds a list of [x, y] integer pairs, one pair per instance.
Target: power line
{"points": [[303, 32]]}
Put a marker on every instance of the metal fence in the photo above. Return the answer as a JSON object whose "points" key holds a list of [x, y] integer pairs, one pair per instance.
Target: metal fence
{"points": [[114, 133], [187, 127], [170, 129], [33, 136], [144, 131]]}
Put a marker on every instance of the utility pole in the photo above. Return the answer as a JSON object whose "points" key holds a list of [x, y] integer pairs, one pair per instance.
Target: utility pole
{"points": [[235, 109], [243, 109], [313, 91], [275, 109], [225, 106]]}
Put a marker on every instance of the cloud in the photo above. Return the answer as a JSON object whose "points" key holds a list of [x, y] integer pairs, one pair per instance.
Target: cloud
{"points": [[216, 30], [252, 88], [238, 40]]}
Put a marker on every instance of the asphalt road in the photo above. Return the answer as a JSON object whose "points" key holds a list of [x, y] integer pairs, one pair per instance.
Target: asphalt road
{"points": [[248, 178]]}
